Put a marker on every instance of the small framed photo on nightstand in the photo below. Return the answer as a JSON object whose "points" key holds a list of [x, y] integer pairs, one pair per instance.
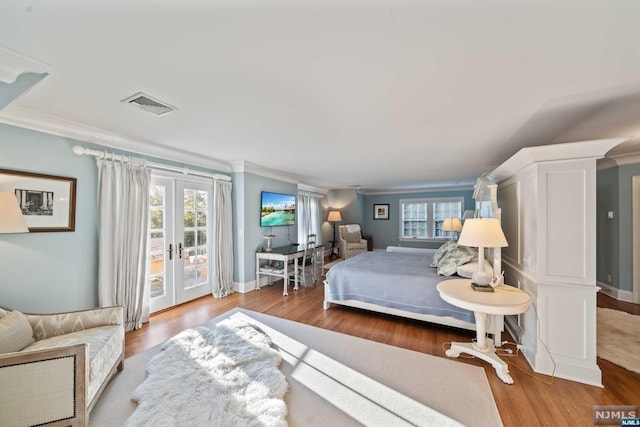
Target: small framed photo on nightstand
{"points": [[381, 211]]}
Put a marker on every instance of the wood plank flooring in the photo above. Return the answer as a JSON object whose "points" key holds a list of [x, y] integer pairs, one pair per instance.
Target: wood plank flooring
{"points": [[534, 399]]}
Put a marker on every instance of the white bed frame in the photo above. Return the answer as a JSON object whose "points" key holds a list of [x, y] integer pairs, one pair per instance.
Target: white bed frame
{"points": [[485, 195]]}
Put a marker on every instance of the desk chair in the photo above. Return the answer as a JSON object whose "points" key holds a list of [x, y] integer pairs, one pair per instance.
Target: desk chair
{"points": [[307, 261]]}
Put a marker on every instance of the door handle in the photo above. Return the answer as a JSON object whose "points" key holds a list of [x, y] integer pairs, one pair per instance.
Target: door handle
{"points": [[170, 250], [180, 250]]}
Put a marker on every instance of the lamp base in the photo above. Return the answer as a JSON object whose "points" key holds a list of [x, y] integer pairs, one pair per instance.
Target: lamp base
{"points": [[481, 278]]}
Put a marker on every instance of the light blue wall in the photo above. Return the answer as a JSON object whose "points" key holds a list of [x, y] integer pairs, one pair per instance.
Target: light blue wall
{"points": [[43, 272], [50, 272], [386, 232], [615, 237], [607, 236], [625, 195], [347, 201], [253, 240]]}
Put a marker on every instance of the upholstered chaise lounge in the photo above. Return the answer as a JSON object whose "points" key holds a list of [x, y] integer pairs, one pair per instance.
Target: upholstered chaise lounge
{"points": [[53, 368]]}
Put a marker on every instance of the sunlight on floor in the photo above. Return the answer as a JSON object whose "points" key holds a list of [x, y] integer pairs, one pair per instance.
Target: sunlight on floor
{"points": [[362, 398]]}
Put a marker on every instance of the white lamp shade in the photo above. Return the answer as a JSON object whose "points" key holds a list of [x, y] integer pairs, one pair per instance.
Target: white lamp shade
{"points": [[482, 232], [451, 224], [334, 216], [11, 218]]}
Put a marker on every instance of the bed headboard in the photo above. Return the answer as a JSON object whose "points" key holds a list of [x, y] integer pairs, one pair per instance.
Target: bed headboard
{"points": [[485, 193]]}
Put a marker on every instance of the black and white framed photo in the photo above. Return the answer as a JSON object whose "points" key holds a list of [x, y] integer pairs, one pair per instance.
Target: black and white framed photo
{"points": [[48, 202], [381, 211]]}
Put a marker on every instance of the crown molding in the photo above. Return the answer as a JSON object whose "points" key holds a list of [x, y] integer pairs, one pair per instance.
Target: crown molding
{"points": [[626, 159], [467, 187], [595, 149], [242, 166], [13, 63], [312, 189], [33, 120]]}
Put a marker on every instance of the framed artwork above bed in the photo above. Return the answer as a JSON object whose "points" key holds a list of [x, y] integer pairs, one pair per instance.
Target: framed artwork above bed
{"points": [[381, 211]]}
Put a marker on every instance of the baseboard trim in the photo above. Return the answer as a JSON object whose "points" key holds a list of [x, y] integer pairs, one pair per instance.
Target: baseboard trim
{"points": [[613, 292]]}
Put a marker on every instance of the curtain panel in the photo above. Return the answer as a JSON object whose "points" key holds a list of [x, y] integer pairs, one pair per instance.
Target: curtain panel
{"points": [[309, 217], [123, 206], [223, 239]]}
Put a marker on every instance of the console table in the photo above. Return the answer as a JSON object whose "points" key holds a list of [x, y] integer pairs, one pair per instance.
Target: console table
{"points": [[504, 300], [283, 255]]}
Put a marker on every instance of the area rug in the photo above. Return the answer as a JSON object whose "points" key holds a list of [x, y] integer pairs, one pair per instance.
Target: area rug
{"points": [[337, 379], [231, 371], [619, 338]]}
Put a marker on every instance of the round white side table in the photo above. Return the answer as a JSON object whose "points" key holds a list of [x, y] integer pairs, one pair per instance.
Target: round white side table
{"points": [[505, 300]]}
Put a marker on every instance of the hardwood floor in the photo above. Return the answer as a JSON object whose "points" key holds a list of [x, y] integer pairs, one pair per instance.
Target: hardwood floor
{"points": [[534, 399]]}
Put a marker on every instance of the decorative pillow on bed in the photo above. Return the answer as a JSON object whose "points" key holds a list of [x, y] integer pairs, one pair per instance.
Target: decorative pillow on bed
{"points": [[450, 244], [351, 237], [454, 258], [467, 270]]}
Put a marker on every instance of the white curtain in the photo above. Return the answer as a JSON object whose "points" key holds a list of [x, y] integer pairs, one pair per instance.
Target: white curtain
{"points": [[309, 216], [123, 206], [223, 239]]}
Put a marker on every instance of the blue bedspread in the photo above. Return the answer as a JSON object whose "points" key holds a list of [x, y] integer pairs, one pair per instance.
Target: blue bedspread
{"points": [[402, 281]]}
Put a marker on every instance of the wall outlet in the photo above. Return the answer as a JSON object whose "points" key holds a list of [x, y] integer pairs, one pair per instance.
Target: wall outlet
{"points": [[610, 214], [520, 347], [608, 278]]}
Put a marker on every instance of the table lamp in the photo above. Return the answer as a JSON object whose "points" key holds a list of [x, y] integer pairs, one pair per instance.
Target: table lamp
{"points": [[452, 225], [482, 233], [11, 218]]}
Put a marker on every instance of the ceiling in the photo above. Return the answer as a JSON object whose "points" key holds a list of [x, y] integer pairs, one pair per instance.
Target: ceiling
{"points": [[384, 95]]}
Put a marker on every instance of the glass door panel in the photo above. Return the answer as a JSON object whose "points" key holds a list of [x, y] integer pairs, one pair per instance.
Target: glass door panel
{"points": [[178, 245], [194, 229], [160, 246]]}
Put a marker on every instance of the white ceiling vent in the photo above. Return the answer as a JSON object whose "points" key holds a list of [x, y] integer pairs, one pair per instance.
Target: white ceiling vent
{"points": [[149, 104]]}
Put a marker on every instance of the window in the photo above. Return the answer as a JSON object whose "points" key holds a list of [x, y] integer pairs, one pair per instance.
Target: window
{"points": [[421, 219]]}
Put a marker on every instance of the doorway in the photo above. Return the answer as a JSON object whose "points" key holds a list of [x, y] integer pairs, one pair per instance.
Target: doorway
{"points": [[180, 223]]}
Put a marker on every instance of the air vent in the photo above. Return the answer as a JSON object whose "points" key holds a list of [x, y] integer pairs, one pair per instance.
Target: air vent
{"points": [[149, 104]]}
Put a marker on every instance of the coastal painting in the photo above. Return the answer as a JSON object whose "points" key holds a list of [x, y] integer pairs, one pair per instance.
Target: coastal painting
{"points": [[277, 209]]}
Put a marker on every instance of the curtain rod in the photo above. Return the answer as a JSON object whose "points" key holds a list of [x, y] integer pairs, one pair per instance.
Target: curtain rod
{"points": [[80, 150]]}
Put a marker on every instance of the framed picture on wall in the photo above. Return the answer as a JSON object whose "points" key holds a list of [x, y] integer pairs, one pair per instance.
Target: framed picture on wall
{"points": [[48, 202], [381, 211]]}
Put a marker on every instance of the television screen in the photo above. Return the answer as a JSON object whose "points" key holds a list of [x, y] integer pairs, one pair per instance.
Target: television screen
{"points": [[277, 209]]}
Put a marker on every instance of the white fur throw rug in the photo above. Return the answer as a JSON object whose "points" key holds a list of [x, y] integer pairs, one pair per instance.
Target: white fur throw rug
{"points": [[619, 338], [225, 376]]}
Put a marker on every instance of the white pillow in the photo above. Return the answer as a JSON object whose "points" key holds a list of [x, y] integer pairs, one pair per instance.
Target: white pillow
{"points": [[15, 332], [467, 270]]}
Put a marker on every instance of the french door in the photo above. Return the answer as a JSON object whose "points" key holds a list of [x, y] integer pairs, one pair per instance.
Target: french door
{"points": [[179, 245]]}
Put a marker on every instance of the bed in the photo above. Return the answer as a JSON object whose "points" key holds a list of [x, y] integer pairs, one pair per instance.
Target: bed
{"points": [[399, 281]]}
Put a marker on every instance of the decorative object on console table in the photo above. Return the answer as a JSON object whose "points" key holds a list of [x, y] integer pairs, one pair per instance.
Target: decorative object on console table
{"points": [[333, 217], [452, 225], [47, 202], [11, 218], [268, 238], [482, 233], [381, 211]]}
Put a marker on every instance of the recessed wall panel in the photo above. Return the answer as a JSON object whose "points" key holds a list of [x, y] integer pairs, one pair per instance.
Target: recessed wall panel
{"points": [[566, 223]]}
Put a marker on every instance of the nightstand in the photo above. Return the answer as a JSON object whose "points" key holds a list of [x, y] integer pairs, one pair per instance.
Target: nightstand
{"points": [[505, 300]]}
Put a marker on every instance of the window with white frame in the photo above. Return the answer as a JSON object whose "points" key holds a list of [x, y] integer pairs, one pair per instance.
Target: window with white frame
{"points": [[421, 219]]}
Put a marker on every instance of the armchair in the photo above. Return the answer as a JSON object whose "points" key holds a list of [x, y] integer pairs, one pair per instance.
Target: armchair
{"points": [[53, 368], [351, 241]]}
